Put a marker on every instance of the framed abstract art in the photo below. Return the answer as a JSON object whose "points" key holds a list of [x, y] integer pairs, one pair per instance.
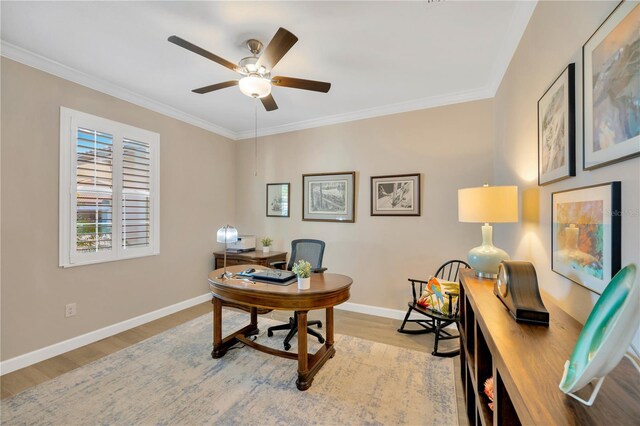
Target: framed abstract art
{"points": [[556, 129], [397, 195], [612, 89], [585, 234], [329, 197]]}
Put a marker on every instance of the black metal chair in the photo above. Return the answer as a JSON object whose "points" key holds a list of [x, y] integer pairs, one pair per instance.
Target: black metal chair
{"points": [[436, 321], [312, 251]]}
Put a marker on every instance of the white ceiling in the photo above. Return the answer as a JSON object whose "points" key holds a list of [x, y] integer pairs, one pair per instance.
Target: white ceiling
{"points": [[381, 57]]}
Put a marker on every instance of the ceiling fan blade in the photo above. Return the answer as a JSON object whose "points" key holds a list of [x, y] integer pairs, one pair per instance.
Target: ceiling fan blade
{"points": [[269, 103], [277, 48], [298, 83], [200, 51], [218, 86]]}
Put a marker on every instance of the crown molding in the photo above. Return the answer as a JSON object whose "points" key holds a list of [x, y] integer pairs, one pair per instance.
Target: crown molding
{"points": [[417, 104], [517, 26], [49, 66]]}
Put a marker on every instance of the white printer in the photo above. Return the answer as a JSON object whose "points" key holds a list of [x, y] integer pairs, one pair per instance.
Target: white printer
{"points": [[244, 243]]}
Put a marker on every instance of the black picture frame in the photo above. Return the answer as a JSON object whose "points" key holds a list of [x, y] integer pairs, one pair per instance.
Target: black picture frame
{"points": [[586, 234], [329, 197], [557, 129], [608, 109], [278, 199], [395, 195]]}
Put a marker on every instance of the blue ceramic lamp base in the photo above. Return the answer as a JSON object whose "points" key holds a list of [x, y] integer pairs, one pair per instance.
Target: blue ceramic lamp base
{"points": [[486, 258]]}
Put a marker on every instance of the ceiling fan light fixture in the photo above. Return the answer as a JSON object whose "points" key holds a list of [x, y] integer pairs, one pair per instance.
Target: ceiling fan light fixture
{"points": [[249, 64], [255, 86]]}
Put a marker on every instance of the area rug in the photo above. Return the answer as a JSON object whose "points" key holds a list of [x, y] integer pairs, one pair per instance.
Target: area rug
{"points": [[172, 379]]}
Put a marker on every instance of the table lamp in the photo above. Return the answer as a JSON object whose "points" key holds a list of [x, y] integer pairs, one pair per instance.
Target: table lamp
{"points": [[487, 204], [227, 234]]}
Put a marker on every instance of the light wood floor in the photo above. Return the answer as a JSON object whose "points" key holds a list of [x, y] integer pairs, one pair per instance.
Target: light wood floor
{"points": [[349, 323]]}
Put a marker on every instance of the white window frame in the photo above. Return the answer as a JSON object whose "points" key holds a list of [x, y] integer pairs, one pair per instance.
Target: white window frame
{"points": [[70, 120]]}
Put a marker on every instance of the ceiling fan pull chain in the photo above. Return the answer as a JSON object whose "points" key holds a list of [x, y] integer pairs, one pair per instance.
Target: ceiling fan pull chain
{"points": [[255, 141]]}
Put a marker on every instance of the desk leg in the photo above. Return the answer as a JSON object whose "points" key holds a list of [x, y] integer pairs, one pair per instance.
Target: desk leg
{"points": [[221, 345], [304, 381], [218, 351], [329, 322], [254, 322]]}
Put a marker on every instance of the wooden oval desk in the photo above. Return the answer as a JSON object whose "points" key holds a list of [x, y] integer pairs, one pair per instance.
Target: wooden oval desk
{"points": [[327, 290]]}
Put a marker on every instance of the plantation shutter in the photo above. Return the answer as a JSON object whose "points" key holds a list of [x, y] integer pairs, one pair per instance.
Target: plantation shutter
{"points": [[136, 193], [94, 190], [109, 190]]}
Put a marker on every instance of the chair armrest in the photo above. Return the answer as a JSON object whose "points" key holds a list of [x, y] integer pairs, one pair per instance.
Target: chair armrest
{"points": [[413, 282], [319, 270], [281, 264], [451, 295]]}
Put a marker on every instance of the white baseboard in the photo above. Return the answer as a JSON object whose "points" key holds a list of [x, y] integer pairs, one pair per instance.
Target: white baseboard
{"points": [[379, 312], [38, 355], [372, 310]]}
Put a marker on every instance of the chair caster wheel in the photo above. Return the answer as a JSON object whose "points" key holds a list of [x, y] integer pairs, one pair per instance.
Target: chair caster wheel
{"points": [[287, 346], [321, 339], [269, 333], [320, 325]]}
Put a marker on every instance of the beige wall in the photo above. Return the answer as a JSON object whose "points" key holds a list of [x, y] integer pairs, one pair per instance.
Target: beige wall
{"points": [[553, 39], [456, 146], [196, 198], [450, 146]]}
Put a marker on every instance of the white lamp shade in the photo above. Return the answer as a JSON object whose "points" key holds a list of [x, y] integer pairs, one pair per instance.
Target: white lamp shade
{"points": [[227, 234], [255, 86], [488, 204]]}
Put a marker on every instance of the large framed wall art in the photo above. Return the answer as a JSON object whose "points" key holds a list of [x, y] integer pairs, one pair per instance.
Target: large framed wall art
{"points": [[397, 195], [585, 234], [556, 129], [278, 199], [329, 197], [612, 89]]}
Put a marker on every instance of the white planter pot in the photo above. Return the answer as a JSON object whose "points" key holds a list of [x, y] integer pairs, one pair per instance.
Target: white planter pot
{"points": [[304, 283], [265, 249]]}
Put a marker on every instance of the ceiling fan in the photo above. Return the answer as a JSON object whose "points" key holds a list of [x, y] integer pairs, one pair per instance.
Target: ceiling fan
{"points": [[256, 70]]}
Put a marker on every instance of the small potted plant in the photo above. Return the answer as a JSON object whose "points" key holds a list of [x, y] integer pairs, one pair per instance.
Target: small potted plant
{"points": [[266, 244], [302, 269]]}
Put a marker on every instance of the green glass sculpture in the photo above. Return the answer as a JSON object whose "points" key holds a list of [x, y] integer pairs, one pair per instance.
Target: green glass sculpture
{"points": [[606, 335]]}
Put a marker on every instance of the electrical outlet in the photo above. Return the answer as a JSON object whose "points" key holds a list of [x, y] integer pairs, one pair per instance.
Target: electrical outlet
{"points": [[70, 310]]}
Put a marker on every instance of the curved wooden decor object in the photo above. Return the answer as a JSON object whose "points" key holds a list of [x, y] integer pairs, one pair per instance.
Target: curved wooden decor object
{"points": [[517, 288]]}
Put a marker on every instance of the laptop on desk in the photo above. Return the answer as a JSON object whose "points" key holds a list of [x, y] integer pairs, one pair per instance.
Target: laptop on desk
{"points": [[271, 276]]}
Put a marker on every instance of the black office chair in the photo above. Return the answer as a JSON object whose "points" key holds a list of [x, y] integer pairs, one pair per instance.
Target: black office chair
{"points": [[435, 321], [311, 251]]}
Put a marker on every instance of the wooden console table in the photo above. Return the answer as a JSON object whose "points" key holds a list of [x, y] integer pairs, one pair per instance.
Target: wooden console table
{"points": [[327, 290], [526, 362], [249, 257]]}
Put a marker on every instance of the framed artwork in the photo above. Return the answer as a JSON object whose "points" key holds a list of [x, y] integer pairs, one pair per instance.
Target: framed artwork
{"points": [[278, 200], [585, 234], [612, 89], [329, 197], [556, 129], [396, 195]]}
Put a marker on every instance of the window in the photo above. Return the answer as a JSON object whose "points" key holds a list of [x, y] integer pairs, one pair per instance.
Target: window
{"points": [[109, 190]]}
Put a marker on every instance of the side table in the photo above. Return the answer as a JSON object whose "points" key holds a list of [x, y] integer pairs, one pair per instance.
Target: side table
{"points": [[249, 257]]}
